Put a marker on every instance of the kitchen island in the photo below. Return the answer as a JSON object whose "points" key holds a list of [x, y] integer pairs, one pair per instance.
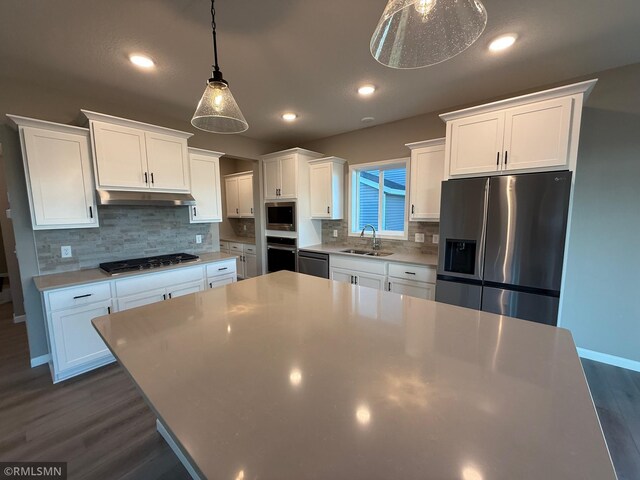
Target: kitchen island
{"points": [[289, 376]]}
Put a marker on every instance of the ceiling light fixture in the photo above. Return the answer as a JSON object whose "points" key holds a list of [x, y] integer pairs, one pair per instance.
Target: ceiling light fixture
{"points": [[502, 43], [217, 111], [366, 90], [141, 60], [289, 116], [419, 33]]}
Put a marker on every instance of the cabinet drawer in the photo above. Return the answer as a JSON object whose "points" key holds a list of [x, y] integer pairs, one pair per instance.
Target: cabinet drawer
{"points": [[418, 273], [224, 246], [236, 247], [218, 281], [250, 249], [221, 268], [76, 296], [145, 283]]}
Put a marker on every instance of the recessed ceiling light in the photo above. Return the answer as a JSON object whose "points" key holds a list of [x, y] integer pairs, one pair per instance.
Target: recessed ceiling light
{"points": [[141, 61], [502, 43], [289, 116], [366, 90]]}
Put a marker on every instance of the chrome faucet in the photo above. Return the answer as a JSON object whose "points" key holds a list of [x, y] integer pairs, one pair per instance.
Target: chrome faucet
{"points": [[375, 242]]}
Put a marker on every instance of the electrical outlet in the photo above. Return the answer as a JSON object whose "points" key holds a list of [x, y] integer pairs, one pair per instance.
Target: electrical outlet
{"points": [[198, 238], [245, 227], [335, 234], [65, 251], [420, 237], [435, 239]]}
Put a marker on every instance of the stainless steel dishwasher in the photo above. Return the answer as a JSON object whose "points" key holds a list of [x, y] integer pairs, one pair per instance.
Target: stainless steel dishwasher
{"points": [[313, 263]]}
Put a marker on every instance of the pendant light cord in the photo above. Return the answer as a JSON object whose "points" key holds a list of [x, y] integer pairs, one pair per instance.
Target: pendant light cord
{"points": [[215, 44]]}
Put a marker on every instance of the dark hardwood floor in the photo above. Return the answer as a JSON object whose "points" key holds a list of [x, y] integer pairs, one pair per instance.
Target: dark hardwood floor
{"points": [[100, 425]]}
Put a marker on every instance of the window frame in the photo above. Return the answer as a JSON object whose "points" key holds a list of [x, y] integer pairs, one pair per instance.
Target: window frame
{"points": [[403, 162]]}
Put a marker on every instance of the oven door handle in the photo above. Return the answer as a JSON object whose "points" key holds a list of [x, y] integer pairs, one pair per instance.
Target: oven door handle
{"points": [[286, 249]]}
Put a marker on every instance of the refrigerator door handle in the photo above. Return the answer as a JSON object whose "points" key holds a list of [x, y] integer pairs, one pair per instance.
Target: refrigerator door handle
{"points": [[483, 234]]}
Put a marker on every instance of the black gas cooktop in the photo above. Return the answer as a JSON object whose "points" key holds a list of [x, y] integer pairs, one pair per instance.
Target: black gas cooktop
{"points": [[147, 263]]}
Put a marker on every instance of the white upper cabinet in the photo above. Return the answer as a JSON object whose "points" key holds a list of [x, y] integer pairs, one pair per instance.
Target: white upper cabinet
{"points": [[427, 174], [245, 195], [283, 174], [326, 185], [135, 156], [239, 195], [537, 135], [205, 186], [476, 143], [57, 163], [168, 162], [535, 132]]}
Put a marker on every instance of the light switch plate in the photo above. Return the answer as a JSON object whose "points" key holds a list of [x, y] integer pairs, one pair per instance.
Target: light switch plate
{"points": [[435, 239], [420, 237], [198, 238], [65, 251], [335, 234]]}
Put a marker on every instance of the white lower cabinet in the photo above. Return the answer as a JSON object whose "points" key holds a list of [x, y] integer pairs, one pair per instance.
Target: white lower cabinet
{"points": [[246, 261], [75, 345], [405, 279]]}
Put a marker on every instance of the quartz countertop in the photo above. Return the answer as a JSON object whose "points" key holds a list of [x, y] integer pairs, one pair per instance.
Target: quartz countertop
{"points": [[413, 258], [92, 275], [233, 238], [291, 376]]}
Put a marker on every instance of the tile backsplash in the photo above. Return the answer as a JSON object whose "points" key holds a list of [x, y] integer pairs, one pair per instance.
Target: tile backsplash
{"points": [[408, 246], [243, 227], [124, 232]]}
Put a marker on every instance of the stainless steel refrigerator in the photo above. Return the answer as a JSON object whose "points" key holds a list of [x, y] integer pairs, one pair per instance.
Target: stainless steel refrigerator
{"points": [[502, 244]]}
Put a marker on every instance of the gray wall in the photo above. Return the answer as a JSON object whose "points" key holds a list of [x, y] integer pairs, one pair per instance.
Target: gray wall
{"points": [[601, 302]]}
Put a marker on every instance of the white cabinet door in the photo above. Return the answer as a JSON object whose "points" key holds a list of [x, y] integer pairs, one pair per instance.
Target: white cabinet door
{"points": [[185, 289], [271, 178], [320, 178], [168, 162], [121, 156], [370, 280], [232, 197], [221, 280], [476, 144], [537, 135], [59, 179], [342, 275], [205, 188], [245, 196], [288, 176], [140, 299], [427, 174], [412, 289], [76, 341], [250, 265]]}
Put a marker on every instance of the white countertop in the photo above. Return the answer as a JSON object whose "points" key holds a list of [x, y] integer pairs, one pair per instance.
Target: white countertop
{"points": [[92, 275], [288, 376], [413, 258]]}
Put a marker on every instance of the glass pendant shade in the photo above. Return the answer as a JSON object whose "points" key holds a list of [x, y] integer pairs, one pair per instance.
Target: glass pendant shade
{"points": [[419, 33], [218, 111]]}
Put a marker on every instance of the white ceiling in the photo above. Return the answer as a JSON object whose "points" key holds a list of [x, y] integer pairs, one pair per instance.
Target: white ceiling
{"points": [[308, 56]]}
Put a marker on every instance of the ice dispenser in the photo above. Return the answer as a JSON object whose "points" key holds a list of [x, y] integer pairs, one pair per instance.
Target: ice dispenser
{"points": [[460, 256]]}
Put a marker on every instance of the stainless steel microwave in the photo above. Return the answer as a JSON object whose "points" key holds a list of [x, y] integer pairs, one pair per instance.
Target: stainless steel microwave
{"points": [[281, 216]]}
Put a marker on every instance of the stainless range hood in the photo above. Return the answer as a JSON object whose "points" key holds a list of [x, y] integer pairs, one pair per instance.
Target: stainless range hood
{"points": [[145, 198]]}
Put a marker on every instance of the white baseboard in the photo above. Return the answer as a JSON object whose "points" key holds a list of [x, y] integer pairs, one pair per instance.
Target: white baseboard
{"points": [[19, 318], [609, 359], [41, 360]]}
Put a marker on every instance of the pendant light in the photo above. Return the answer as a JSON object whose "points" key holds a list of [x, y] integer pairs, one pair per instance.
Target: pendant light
{"points": [[217, 111], [419, 33]]}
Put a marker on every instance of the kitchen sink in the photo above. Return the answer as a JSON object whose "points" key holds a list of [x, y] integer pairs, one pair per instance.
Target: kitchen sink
{"points": [[369, 253]]}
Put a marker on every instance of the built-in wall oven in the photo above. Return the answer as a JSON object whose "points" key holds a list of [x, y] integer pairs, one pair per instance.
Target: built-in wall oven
{"points": [[281, 216], [282, 254]]}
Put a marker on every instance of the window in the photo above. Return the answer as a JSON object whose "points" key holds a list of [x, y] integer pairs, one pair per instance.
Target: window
{"points": [[379, 198]]}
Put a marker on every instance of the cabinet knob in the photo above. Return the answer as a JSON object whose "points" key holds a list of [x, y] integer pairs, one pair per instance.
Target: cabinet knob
{"points": [[252, 210], [237, 211], [328, 210]]}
